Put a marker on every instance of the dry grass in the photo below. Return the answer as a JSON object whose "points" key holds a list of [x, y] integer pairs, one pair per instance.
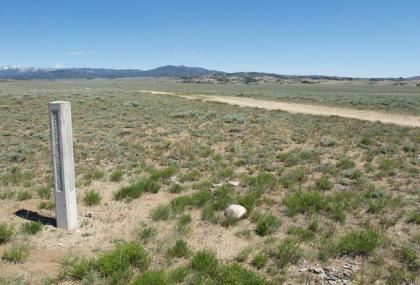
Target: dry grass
{"points": [[326, 179]]}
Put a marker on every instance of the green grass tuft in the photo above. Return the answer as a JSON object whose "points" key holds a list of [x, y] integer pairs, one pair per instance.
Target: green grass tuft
{"points": [[152, 278], [323, 184], [361, 242], [23, 195], [181, 225], [92, 198], [6, 233], [178, 275], [164, 173], [414, 217], [408, 256], [44, 192], [260, 260], [31, 228], [205, 262], [77, 268], [236, 274], [160, 213], [117, 263], [314, 201], [267, 224], [16, 253], [116, 175], [146, 233], [135, 190], [180, 249], [287, 252]]}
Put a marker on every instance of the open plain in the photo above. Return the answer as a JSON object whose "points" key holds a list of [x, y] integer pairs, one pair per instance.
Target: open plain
{"points": [[329, 200]]}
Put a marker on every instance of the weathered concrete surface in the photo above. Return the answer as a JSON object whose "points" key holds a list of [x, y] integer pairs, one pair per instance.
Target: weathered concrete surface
{"points": [[63, 165]]}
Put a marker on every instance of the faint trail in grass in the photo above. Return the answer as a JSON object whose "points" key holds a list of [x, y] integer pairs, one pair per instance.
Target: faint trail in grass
{"points": [[366, 115]]}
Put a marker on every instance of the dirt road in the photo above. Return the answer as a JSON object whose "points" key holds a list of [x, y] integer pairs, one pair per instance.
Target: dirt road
{"points": [[367, 115]]}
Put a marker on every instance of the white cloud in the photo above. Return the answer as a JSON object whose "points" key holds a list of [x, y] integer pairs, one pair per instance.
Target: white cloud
{"points": [[59, 65], [75, 53]]}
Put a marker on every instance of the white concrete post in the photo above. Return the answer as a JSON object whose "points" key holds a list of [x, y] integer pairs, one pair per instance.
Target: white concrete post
{"points": [[63, 165]]}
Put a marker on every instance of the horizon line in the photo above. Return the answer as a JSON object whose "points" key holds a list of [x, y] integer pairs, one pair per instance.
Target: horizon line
{"points": [[6, 67]]}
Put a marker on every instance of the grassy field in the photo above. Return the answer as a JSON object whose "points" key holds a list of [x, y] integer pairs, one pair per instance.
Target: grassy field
{"points": [[358, 94], [329, 199]]}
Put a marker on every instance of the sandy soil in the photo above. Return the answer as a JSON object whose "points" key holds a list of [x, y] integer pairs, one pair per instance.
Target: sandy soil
{"points": [[366, 115], [106, 223]]}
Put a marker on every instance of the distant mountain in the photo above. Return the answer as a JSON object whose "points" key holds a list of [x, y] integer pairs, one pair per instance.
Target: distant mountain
{"points": [[179, 71], [15, 72]]}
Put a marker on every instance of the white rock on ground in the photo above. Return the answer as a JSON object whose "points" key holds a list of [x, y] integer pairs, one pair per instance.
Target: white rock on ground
{"points": [[234, 183], [174, 179], [235, 211]]}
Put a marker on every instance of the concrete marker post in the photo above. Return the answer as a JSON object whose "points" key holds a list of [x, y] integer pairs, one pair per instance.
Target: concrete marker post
{"points": [[63, 165]]}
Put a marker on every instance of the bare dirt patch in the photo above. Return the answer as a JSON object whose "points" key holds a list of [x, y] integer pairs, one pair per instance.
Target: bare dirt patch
{"points": [[373, 116]]}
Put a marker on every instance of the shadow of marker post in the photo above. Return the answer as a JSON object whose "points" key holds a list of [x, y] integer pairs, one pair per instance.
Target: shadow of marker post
{"points": [[63, 165], [35, 217]]}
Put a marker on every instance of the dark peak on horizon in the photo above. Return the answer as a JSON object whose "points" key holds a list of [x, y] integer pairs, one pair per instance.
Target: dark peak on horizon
{"points": [[174, 71]]}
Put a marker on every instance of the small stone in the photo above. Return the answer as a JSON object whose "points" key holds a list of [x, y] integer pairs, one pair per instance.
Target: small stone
{"points": [[317, 270], [131, 104], [217, 185], [234, 183], [331, 279], [235, 211], [89, 214]]}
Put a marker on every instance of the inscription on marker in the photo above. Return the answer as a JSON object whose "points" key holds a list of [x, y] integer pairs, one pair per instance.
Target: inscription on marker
{"points": [[57, 150]]}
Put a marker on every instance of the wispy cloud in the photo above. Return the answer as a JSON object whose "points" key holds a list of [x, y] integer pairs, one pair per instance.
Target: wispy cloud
{"points": [[59, 65], [76, 53]]}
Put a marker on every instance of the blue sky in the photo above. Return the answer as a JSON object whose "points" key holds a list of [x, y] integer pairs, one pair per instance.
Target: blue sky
{"points": [[331, 37]]}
